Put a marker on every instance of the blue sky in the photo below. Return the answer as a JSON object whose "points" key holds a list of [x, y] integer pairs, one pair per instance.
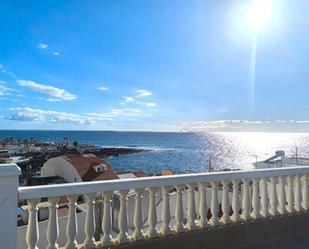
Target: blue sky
{"points": [[151, 65]]}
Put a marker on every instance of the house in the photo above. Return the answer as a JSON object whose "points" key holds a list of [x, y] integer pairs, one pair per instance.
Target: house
{"points": [[79, 168]]}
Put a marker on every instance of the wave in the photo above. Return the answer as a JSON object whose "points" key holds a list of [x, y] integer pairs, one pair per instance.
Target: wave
{"points": [[150, 148]]}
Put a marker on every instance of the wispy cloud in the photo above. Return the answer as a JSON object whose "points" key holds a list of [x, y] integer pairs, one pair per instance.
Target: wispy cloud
{"points": [[31, 114], [103, 88], [128, 99], [35, 114], [56, 53], [42, 46], [116, 113], [244, 125], [151, 104], [4, 90], [142, 93], [46, 89]]}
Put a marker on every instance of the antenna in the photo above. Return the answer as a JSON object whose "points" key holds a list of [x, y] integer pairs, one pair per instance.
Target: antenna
{"points": [[296, 152]]}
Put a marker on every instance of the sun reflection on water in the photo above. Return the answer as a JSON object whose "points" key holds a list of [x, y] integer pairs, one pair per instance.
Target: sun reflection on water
{"points": [[249, 147]]}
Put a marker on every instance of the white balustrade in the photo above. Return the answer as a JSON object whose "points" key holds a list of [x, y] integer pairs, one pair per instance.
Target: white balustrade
{"points": [[255, 214], [281, 196], [297, 194], [32, 236], [152, 214], [123, 222], [106, 239], [52, 227], [71, 230], [304, 203], [214, 207], [273, 196], [271, 190], [166, 213], [290, 194], [89, 222], [264, 197], [245, 215], [179, 210], [191, 208], [225, 203], [203, 210], [235, 202], [138, 234]]}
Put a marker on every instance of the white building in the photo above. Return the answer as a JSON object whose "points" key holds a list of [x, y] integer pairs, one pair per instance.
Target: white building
{"points": [[79, 168]]}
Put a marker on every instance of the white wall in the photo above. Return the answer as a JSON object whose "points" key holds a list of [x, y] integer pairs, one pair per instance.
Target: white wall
{"points": [[60, 167]]}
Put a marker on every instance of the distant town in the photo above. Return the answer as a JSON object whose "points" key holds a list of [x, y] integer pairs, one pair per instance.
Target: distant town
{"points": [[66, 161], [45, 163]]}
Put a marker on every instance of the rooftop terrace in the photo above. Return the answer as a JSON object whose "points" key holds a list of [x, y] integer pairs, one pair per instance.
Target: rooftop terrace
{"points": [[244, 209]]}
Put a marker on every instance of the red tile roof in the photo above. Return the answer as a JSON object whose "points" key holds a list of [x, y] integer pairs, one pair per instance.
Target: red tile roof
{"points": [[84, 164], [142, 174]]}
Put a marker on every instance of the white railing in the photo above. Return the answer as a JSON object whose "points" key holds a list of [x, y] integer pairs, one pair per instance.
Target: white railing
{"points": [[254, 193]]}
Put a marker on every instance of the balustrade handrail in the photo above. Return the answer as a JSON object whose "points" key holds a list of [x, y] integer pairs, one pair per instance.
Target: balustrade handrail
{"points": [[153, 181]]}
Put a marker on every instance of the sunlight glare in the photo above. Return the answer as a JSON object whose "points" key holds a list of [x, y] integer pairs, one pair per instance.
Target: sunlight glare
{"points": [[259, 13]]}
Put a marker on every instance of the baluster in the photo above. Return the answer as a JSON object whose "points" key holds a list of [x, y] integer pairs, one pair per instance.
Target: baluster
{"points": [[264, 197], [290, 197], [52, 227], [255, 214], [191, 208], [106, 239], [203, 205], [235, 202], [225, 203], [305, 192], [245, 215], [89, 222], [214, 208], [32, 236], [71, 230], [273, 196], [297, 193], [179, 210], [138, 234], [152, 214], [166, 213], [281, 196], [123, 222]]}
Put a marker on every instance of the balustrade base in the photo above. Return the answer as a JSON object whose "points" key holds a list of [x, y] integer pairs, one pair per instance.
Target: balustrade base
{"points": [[235, 235]]}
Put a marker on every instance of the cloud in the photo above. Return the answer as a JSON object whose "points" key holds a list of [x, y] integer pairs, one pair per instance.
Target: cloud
{"points": [[42, 46], [246, 125], [4, 90], [128, 99], [151, 104], [10, 74], [49, 99], [103, 88], [142, 93], [46, 89], [56, 53], [31, 114], [53, 100], [116, 113]]}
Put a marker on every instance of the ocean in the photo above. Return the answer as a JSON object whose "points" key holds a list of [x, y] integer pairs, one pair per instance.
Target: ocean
{"points": [[181, 152]]}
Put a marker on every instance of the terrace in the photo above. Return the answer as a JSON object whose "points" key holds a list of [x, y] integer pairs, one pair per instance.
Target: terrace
{"points": [[245, 209]]}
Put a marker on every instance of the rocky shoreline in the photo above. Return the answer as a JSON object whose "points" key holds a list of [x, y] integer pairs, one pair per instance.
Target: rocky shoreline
{"points": [[114, 152], [38, 159]]}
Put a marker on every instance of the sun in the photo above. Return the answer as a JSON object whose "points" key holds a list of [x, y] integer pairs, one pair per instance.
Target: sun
{"points": [[259, 13]]}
